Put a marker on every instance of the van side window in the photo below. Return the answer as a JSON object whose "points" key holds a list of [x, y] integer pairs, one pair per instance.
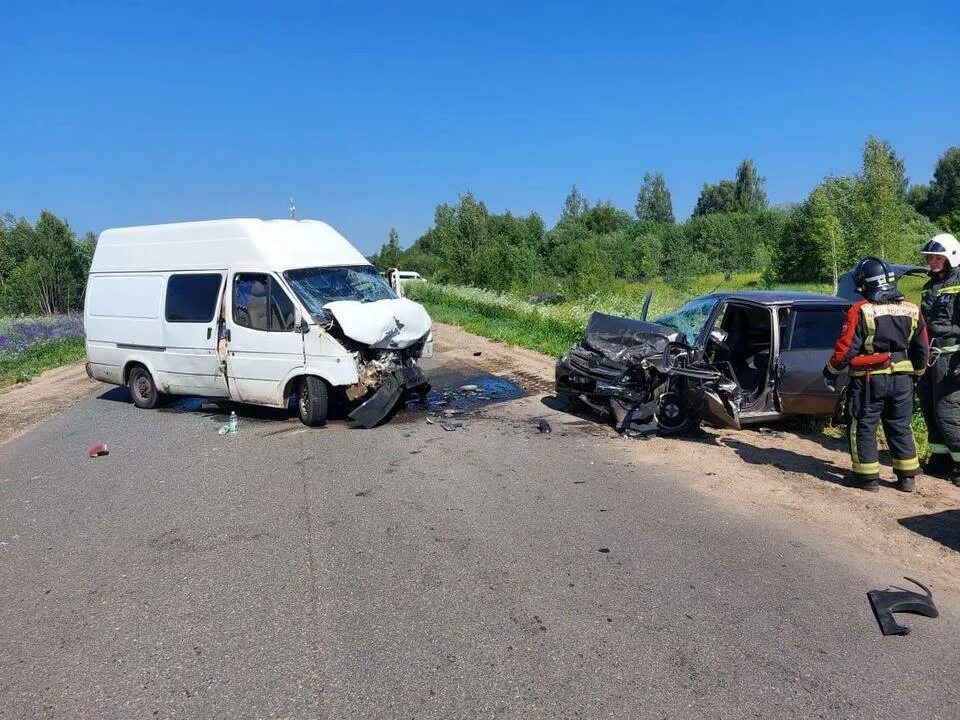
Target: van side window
{"points": [[816, 329], [192, 298], [259, 303]]}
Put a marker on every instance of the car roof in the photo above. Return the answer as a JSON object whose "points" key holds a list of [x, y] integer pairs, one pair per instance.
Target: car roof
{"points": [[783, 297]]}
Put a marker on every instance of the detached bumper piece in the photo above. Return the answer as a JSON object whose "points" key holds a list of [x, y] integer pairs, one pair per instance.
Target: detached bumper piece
{"points": [[378, 406], [887, 602]]}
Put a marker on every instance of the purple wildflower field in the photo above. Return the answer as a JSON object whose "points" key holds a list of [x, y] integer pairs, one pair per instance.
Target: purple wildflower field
{"points": [[18, 334]]}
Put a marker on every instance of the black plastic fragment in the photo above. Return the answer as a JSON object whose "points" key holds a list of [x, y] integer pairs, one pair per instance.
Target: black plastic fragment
{"points": [[378, 406], [544, 426], [450, 427], [887, 602]]}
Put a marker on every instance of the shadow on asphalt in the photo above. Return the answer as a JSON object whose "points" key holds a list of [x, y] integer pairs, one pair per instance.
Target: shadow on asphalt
{"points": [[117, 394], [944, 527]]}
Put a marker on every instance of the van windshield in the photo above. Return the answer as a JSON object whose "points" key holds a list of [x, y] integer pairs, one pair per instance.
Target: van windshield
{"points": [[318, 286]]}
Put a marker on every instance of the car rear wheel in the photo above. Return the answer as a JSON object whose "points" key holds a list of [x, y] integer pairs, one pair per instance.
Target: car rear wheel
{"points": [[312, 403], [142, 389]]}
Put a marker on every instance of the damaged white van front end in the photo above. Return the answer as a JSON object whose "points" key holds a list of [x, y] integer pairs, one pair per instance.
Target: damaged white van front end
{"points": [[384, 335]]}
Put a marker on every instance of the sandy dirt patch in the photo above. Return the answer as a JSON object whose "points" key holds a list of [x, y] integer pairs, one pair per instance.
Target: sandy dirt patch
{"points": [[24, 405]]}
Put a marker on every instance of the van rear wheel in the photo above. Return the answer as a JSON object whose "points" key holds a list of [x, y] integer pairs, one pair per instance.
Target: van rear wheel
{"points": [[312, 404], [142, 389]]}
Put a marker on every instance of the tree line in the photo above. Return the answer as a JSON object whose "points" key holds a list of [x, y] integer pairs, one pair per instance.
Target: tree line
{"points": [[595, 245], [732, 229], [43, 266]]}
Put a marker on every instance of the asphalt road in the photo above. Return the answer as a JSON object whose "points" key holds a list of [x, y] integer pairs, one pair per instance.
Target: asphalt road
{"points": [[409, 572]]}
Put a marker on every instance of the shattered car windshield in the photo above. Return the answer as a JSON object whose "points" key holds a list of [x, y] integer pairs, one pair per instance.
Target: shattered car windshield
{"points": [[690, 319], [318, 286]]}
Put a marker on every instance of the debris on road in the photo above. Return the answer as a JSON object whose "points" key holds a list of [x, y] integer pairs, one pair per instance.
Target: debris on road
{"points": [[603, 550], [478, 353], [887, 602], [450, 427], [98, 450], [469, 388], [232, 425], [429, 421], [544, 426]]}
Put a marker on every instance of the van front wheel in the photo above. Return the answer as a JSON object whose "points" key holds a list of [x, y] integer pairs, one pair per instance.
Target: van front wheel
{"points": [[313, 401], [142, 389]]}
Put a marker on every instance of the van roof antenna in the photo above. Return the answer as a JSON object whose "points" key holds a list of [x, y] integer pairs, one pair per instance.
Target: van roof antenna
{"points": [[293, 210]]}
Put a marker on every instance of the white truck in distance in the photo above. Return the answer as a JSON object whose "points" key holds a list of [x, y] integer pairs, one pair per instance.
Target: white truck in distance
{"points": [[254, 311]]}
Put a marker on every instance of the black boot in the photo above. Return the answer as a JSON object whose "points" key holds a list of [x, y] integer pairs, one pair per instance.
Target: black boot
{"points": [[868, 483], [938, 465], [907, 484], [955, 477]]}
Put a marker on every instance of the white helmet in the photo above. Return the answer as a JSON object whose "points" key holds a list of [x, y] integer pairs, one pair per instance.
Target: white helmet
{"points": [[946, 246]]}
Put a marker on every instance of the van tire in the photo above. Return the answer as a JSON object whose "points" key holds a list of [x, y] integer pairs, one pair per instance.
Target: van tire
{"points": [[312, 403], [143, 391]]}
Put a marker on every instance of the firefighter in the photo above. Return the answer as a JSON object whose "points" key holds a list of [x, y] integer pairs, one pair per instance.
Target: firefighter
{"points": [[884, 343], [940, 388]]}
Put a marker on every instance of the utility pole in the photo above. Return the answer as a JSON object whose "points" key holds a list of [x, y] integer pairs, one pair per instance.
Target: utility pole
{"points": [[293, 210]]}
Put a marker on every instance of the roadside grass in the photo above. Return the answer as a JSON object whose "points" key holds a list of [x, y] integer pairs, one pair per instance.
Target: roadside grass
{"points": [[553, 329], [41, 356], [28, 346]]}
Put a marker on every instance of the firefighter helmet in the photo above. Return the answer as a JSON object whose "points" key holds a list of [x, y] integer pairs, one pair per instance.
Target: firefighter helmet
{"points": [[875, 280], [944, 245]]}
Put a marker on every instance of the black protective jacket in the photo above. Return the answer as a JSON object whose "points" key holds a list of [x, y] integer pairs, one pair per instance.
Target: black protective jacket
{"points": [[940, 305]]}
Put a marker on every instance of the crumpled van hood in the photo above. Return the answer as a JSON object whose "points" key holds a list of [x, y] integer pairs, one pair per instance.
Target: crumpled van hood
{"points": [[390, 324]]}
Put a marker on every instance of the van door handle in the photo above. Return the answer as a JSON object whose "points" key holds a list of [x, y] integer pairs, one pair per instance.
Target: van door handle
{"points": [[209, 332]]}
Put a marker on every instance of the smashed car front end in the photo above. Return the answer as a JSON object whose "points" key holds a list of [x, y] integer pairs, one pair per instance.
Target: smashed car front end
{"points": [[642, 375], [617, 368]]}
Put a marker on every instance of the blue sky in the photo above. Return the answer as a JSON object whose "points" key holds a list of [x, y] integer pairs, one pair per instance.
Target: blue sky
{"points": [[370, 114]]}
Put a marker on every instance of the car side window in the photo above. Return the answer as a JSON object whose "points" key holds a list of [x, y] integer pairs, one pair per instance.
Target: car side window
{"points": [[259, 303], [192, 298], [816, 329]]}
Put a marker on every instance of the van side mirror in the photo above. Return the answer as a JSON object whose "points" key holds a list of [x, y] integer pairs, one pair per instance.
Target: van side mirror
{"points": [[299, 324]]}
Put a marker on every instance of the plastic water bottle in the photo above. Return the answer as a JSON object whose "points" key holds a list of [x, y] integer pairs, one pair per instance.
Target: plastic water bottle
{"points": [[233, 421]]}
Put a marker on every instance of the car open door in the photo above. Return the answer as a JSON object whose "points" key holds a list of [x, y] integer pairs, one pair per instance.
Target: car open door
{"points": [[807, 338], [712, 403], [710, 391]]}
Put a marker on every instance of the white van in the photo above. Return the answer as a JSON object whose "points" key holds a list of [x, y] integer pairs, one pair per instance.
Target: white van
{"points": [[253, 311], [408, 276]]}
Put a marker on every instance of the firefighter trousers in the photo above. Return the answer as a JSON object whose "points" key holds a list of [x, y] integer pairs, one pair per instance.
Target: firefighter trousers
{"points": [[940, 403], [887, 399]]}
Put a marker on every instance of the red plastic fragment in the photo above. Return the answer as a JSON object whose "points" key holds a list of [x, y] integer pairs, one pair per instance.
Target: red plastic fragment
{"points": [[98, 450]]}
